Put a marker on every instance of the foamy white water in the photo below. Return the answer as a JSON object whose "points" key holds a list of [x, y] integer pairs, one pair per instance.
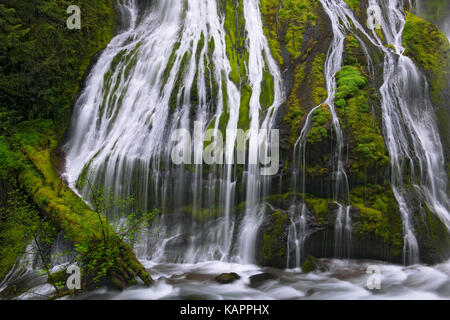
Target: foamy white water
{"points": [[338, 280]]}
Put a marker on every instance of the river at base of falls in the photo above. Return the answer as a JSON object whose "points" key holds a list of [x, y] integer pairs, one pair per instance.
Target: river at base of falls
{"points": [[336, 280]]}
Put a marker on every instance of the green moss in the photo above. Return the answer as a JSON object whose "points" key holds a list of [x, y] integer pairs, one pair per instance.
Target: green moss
{"points": [[42, 61], [310, 264], [293, 116], [226, 278], [373, 221], [269, 10], [121, 67], [271, 249], [178, 89], [438, 232], [34, 142], [349, 82], [321, 123], [319, 207], [17, 219], [317, 79], [379, 216], [432, 235], [354, 4], [244, 109], [267, 89], [235, 38], [430, 48], [274, 198], [53, 61], [285, 23], [352, 99], [171, 61]]}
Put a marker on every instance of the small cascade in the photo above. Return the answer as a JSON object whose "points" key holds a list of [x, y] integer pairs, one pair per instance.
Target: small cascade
{"points": [[340, 188], [297, 234], [259, 59], [343, 232]]}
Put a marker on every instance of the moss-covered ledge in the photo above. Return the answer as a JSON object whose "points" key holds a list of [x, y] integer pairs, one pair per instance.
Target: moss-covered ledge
{"points": [[66, 210], [429, 48]]}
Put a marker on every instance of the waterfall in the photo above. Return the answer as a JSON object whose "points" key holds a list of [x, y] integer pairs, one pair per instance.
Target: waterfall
{"points": [[410, 131], [408, 119], [168, 71], [259, 57]]}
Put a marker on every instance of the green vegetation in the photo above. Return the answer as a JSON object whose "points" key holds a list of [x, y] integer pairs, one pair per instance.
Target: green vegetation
{"points": [[235, 38], [321, 121], [17, 219], [226, 278], [41, 68], [354, 4], [42, 61], [238, 57], [285, 23], [317, 79], [319, 207], [309, 265], [293, 116], [430, 48], [379, 216], [33, 143], [352, 99], [274, 249]]}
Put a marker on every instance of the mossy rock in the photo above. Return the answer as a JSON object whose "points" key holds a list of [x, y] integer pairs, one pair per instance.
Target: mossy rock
{"points": [[259, 279], [429, 48], [226, 278], [272, 240], [310, 264], [432, 235], [38, 178]]}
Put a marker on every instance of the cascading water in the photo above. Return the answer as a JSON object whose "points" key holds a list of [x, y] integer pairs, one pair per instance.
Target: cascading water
{"points": [[259, 58], [409, 124], [188, 55], [168, 71], [154, 100], [340, 189], [410, 131]]}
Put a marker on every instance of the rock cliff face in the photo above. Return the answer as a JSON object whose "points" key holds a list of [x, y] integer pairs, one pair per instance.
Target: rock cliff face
{"points": [[376, 222]]}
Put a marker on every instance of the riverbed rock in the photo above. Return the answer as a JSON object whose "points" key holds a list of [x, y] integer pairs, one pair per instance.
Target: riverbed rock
{"points": [[258, 279], [226, 278]]}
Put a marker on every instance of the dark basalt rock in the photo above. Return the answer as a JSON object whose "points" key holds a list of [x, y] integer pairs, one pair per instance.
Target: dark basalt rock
{"points": [[226, 278], [258, 279]]}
